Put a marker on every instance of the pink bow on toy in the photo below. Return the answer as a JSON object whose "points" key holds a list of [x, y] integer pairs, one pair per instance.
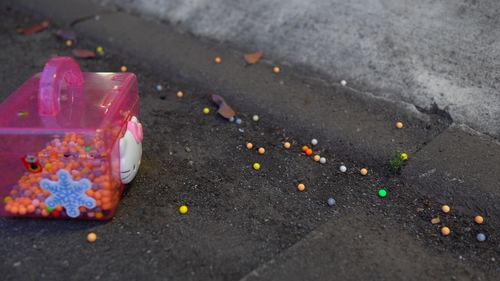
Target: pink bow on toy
{"points": [[136, 129]]}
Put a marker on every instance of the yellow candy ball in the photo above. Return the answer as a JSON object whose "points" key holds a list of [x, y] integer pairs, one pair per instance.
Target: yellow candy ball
{"points": [[301, 187], [256, 166], [183, 209], [206, 110], [399, 125], [403, 156]]}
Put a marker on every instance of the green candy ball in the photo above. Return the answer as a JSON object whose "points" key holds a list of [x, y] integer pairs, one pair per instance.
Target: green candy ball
{"points": [[382, 193]]}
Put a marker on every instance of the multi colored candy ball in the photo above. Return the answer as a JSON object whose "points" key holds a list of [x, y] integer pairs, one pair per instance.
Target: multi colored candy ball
{"points": [[330, 202], [91, 237], [206, 110], [481, 237], [183, 209], [382, 193], [316, 158], [301, 187], [256, 166]]}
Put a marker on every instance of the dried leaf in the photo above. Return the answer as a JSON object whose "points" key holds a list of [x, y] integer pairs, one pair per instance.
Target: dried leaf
{"points": [[253, 58], [84, 54], [66, 34], [224, 109], [34, 28]]}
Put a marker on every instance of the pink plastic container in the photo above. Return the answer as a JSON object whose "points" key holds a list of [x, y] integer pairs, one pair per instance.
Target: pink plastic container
{"points": [[69, 141]]}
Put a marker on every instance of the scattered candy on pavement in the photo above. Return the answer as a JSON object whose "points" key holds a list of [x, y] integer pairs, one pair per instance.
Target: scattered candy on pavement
{"points": [[249, 145], [343, 82], [479, 219], [314, 141], [343, 168], [382, 193], [276, 69], [91, 237], [363, 171], [330, 202], [256, 166], [287, 145], [261, 150], [399, 125], [445, 208], [301, 187], [183, 209], [206, 110], [180, 94], [445, 231], [322, 160], [403, 156], [123, 68], [255, 118], [316, 158], [217, 60], [481, 237]]}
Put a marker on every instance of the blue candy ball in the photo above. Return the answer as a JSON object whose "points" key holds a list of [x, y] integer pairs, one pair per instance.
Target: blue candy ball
{"points": [[331, 202], [481, 237]]}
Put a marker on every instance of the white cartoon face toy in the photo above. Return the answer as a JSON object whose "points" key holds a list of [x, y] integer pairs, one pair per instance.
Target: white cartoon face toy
{"points": [[131, 150]]}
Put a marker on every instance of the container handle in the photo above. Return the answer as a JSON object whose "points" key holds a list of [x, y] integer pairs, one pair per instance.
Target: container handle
{"points": [[57, 71]]}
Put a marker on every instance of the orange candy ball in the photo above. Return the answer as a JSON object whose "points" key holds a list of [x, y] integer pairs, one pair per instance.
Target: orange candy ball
{"points": [[301, 187], [399, 125], [445, 231], [363, 171], [180, 94], [276, 69], [479, 219], [309, 152], [249, 145], [91, 237], [287, 145], [446, 209], [261, 150], [123, 68], [218, 60]]}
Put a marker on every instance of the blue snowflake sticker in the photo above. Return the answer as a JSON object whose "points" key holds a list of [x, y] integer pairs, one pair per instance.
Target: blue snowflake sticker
{"points": [[68, 193]]}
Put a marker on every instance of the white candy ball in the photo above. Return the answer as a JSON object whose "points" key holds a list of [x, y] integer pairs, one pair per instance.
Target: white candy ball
{"points": [[255, 118], [343, 82], [159, 87], [343, 169], [314, 141], [238, 121], [322, 160]]}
